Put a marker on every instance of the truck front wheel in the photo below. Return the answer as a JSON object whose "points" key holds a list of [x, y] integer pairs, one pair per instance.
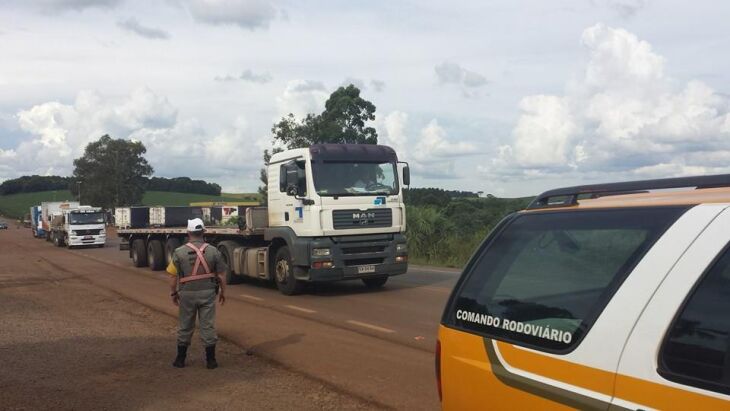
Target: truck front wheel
{"points": [[139, 253], [284, 273], [155, 255]]}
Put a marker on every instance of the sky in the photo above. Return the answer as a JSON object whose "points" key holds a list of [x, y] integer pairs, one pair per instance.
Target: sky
{"points": [[505, 97]]}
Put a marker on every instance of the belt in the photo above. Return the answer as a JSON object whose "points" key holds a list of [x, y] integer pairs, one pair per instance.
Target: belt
{"points": [[196, 277]]}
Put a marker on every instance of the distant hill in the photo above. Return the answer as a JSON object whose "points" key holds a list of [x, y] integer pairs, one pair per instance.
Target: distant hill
{"points": [[17, 205]]}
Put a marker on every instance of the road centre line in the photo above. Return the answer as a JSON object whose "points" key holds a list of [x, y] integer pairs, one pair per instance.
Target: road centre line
{"points": [[371, 326], [251, 297], [304, 310]]}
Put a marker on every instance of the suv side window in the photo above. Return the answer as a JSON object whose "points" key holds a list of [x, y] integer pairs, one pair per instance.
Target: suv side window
{"points": [[696, 350], [547, 276]]}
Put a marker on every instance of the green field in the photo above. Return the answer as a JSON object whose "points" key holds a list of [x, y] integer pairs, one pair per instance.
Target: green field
{"points": [[17, 205]]}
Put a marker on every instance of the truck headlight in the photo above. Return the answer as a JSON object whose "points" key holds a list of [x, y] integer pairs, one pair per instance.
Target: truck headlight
{"points": [[401, 248], [321, 252], [73, 232]]}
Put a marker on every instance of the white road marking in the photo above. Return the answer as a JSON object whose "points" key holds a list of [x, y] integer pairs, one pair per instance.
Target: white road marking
{"points": [[370, 326], [304, 310], [251, 297]]}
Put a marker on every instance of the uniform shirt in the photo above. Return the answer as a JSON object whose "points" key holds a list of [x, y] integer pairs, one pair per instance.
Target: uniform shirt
{"points": [[183, 261]]}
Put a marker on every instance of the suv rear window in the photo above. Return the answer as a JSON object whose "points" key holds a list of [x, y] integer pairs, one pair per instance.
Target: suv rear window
{"points": [[546, 277]]}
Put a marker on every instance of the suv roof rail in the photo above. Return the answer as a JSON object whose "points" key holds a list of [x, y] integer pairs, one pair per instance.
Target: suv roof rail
{"points": [[571, 194]]}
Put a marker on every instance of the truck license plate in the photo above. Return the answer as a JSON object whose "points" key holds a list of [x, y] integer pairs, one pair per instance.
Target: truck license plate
{"points": [[365, 269], [88, 237]]}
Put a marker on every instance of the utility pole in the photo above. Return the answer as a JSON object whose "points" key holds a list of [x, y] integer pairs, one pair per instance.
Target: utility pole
{"points": [[78, 185]]}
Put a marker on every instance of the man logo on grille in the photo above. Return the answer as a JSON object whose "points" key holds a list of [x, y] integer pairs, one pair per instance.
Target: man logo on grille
{"points": [[362, 218]]}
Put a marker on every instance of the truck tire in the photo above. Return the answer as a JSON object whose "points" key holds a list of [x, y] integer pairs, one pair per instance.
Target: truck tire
{"points": [[284, 273], [171, 245], [226, 250], [376, 282], [57, 240], [155, 255], [139, 253]]}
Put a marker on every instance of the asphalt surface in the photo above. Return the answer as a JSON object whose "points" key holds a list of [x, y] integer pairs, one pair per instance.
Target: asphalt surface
{"points": [[374, 345]]}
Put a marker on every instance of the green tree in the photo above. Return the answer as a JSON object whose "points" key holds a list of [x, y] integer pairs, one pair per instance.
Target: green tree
{"points": [[112, 173], [343, 121]]}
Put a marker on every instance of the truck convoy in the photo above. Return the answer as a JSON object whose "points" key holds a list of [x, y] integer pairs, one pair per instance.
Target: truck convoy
{"points": [[79, 226], [334, 212]]}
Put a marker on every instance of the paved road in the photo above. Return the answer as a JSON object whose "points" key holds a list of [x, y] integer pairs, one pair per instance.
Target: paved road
{"points": [[377, 345]]}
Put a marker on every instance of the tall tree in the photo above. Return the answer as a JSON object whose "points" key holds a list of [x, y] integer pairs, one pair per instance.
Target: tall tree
{"points": [[112, 172], [343, 121]]}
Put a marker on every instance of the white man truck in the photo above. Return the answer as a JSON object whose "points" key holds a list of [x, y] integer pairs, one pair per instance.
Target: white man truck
{"points": [[78, 227], [335, 212]]}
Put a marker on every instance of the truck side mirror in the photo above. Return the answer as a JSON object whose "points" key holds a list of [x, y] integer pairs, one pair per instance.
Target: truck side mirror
{"points": [[406, 176]]}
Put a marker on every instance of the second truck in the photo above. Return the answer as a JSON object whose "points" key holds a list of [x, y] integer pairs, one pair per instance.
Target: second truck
{"points": [[335, 212]]}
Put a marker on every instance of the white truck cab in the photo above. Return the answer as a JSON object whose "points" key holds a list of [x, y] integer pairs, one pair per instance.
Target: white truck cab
{"points": [[341, 205], [81, 226]]}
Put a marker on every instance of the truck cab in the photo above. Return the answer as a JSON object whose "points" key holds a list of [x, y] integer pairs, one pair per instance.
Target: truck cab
{"points": [[83, 226], [339, 209]]}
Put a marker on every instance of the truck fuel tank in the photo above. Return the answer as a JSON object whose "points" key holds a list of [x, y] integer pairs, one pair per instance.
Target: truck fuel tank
{"points": [[251, 262]]}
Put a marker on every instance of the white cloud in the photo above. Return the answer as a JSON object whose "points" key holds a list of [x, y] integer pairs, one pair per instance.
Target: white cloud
{"points": [[302, 97], [50, 6], [452, 73], [247, 75], [133, 26], [624, 8], [431, 154], [247, 14], [623, 115], [378, 85], [60, 132]]}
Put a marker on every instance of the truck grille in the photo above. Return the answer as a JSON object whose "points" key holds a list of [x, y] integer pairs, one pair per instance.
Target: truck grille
{"points": [[87, 232], [364, 261], [363, 249], [372, 218]]}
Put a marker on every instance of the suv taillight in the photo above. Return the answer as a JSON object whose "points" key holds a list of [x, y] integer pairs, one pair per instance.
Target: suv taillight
{"points": [[438, 367]]}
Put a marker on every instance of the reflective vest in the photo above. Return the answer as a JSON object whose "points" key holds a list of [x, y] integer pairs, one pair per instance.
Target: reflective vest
{"points": [[200, 260]]}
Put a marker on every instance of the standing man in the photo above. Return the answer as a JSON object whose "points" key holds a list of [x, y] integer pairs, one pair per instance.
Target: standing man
{"points": [[195, 280]]}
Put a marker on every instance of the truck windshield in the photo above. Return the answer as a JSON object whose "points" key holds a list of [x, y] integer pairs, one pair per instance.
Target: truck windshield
{"points": [[352, 179], [86, 218]]}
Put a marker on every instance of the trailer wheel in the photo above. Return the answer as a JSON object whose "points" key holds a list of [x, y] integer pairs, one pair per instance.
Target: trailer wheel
{"points": [[376, 282], [155, 255], [171, 245], [226, 250], [284, 273], [139, 253]]}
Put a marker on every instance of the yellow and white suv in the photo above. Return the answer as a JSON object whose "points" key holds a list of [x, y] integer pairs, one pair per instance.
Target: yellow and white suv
{"points": [[613, 296]]}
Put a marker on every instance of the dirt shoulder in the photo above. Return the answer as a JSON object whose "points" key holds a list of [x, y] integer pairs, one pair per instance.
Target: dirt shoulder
{"points": [[68, 344]]}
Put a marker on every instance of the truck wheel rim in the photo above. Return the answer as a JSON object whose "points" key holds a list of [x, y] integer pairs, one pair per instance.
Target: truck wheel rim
{"points": [[282, 271]]}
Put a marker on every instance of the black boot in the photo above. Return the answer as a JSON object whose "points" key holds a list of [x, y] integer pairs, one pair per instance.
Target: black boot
{"points": [[182, 351], [210, 361]]}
